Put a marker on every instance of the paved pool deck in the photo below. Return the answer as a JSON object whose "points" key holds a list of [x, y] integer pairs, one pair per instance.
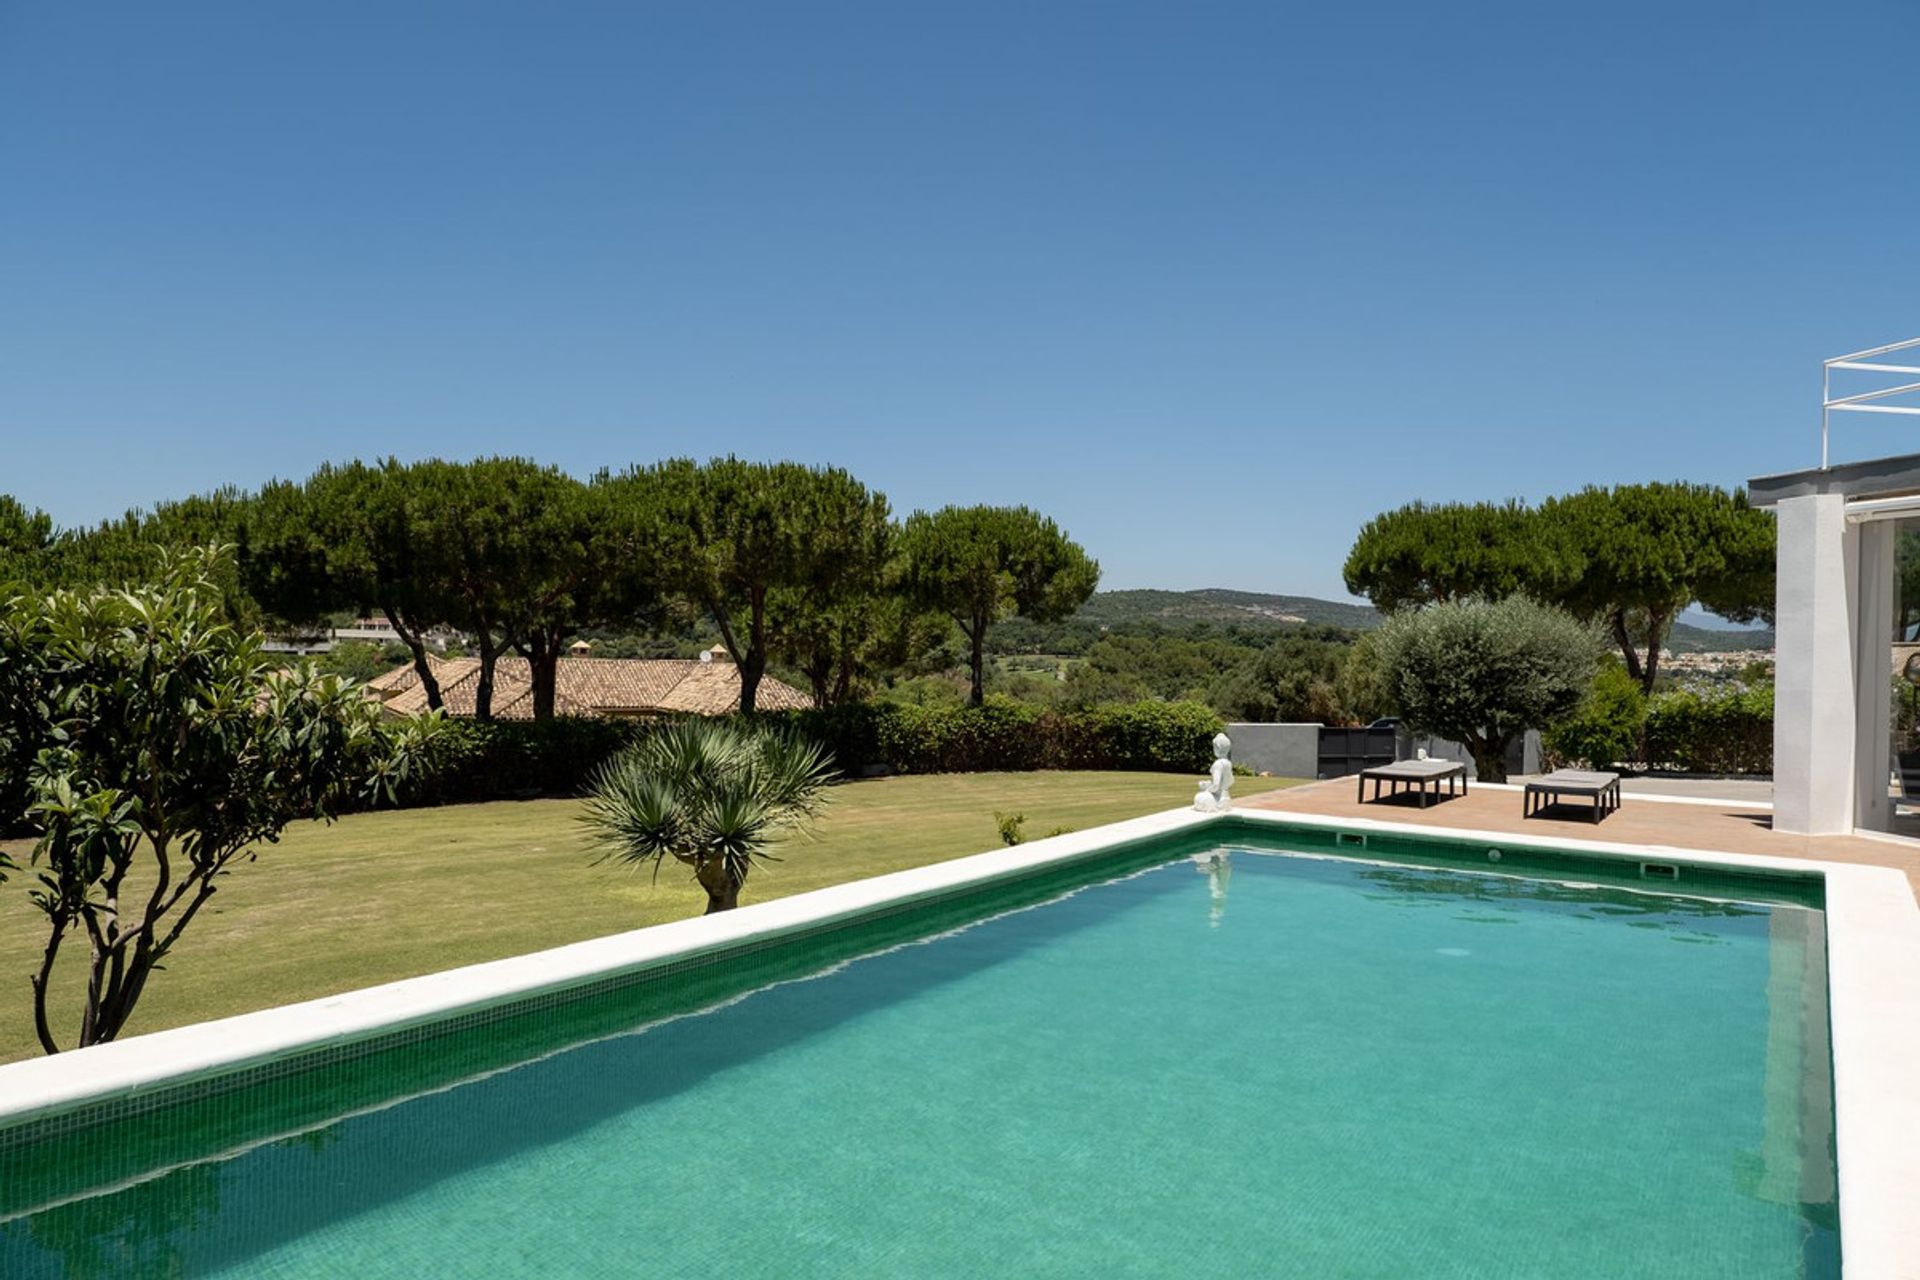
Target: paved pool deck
{"points": [[1708, 825]]}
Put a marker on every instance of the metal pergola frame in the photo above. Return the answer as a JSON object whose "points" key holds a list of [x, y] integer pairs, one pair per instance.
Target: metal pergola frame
{"points": [[1864, 401]]}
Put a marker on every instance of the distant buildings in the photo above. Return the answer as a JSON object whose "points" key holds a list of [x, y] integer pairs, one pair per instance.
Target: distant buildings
{"points": [[360, 630]]}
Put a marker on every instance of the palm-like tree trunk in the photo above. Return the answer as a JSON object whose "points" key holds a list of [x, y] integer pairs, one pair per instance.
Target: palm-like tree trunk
{"points": [[723, 891]]}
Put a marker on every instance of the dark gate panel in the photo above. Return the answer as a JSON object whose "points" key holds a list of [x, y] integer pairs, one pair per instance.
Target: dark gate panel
{"points": [[1344, 752]]}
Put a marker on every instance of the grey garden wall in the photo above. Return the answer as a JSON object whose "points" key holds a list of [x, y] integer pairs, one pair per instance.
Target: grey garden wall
{"points": [[1283, 750], [1522, 757], [1293, 750]]}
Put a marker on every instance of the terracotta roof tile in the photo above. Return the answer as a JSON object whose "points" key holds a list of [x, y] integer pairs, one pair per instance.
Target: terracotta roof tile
{"points": [[588, 687]]}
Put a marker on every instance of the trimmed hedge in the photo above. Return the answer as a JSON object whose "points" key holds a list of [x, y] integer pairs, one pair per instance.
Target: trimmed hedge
{"points": [[1724, 731], [1729, 732], [520, 759]]}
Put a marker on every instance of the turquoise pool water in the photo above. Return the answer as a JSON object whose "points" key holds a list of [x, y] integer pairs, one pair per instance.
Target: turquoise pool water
{"points": [[1235, 1063]]}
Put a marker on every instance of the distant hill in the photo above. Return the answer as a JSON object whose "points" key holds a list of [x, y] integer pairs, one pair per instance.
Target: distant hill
{"points": [[1219, 605], [1257, 609], [1685, 638]]}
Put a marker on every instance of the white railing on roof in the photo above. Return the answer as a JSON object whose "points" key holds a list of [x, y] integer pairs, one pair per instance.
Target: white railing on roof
{"points": [[1865, 401]]}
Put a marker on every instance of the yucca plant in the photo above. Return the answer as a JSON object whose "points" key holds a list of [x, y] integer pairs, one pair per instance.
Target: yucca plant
{"points": [[708, 794]]}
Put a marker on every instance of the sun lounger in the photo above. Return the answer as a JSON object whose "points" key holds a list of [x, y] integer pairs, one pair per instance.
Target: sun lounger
{"points": [[1543, 793], [1419, 774]]}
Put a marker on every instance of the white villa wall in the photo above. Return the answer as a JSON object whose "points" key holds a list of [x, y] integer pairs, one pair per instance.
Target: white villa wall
{"points": [[1816, 733]]}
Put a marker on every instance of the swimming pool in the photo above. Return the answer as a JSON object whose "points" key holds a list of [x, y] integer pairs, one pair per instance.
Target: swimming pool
{"points": [[1230, 1049]]}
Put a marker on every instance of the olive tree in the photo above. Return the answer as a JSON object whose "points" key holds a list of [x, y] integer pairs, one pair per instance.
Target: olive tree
{"points": [[710, 795], [1483, 672], [162, 747], [981, 565]]}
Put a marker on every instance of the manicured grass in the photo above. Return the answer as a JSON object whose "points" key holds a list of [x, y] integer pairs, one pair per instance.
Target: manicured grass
{"points": [[381, 896]]}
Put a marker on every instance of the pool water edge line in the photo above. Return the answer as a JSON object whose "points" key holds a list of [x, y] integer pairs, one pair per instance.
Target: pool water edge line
{"points": [[1873, 979]]}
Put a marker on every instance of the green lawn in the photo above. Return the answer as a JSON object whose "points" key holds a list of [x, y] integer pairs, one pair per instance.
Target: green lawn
{"points": [[381, 896]]}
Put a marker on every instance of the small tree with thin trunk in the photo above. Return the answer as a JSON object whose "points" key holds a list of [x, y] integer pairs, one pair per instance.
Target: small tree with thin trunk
{"points": [[165, 748], [710, 795], [981, 565], [1484, 672]]}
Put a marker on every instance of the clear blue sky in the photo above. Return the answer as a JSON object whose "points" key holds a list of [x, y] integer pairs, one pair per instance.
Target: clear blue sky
{"points": [[1211, 283]]}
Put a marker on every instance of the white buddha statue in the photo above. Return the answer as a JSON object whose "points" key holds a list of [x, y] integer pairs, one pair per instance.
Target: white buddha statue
{"points": [[1214, 795]]}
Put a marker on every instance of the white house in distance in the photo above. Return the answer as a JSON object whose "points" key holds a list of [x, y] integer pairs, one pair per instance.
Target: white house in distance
{"points": [[1838, 615]]}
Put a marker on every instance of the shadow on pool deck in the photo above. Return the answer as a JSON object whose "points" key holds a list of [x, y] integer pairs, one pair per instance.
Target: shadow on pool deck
{"points": [[1727, 828]]}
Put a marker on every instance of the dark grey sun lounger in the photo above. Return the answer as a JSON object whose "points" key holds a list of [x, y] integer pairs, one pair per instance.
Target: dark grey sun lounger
{"points": [[1543, 793], [1419, 774]]}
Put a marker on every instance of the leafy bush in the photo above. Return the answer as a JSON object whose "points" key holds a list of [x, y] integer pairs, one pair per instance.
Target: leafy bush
{"points": [[1011, 827], [1175, 736], [995, 735], [1729, 731], [1605, 729], [1482, 673], [519, 759]]}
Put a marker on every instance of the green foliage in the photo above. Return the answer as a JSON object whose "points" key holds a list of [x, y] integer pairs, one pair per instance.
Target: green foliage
{"points": [[26, 535], [1088, 685], [1419, 554], [941, 689], [520, 759], [1647, 551], [710, 795], [1135, 666], [1216, 610], [513, 759], [1144, 735], [1723, 731], [1007, 735], [1606, 727], [1293, 679], [1009, 825], [1628, 558], [520, 556], [1365, 687], [359, 660], [980, 565], [761, 545], [141, 729], [1483, 672]]}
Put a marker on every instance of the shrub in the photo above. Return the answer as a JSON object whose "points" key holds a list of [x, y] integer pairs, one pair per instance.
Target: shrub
{"points": [[995, 735], [1482, 673], [1726, 731], [1175, 736], [519, 759], [1607, 726]]}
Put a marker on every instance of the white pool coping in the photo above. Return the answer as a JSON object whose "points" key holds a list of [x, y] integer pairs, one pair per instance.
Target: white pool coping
{"points": [[1873, 968]]}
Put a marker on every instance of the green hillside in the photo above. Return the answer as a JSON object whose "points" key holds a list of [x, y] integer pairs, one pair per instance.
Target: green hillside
{"points": [[1221, 606], [1254, 609]]}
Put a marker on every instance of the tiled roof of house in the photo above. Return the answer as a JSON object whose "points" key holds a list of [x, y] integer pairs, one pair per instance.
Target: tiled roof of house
{"points": [[588, 687]]}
